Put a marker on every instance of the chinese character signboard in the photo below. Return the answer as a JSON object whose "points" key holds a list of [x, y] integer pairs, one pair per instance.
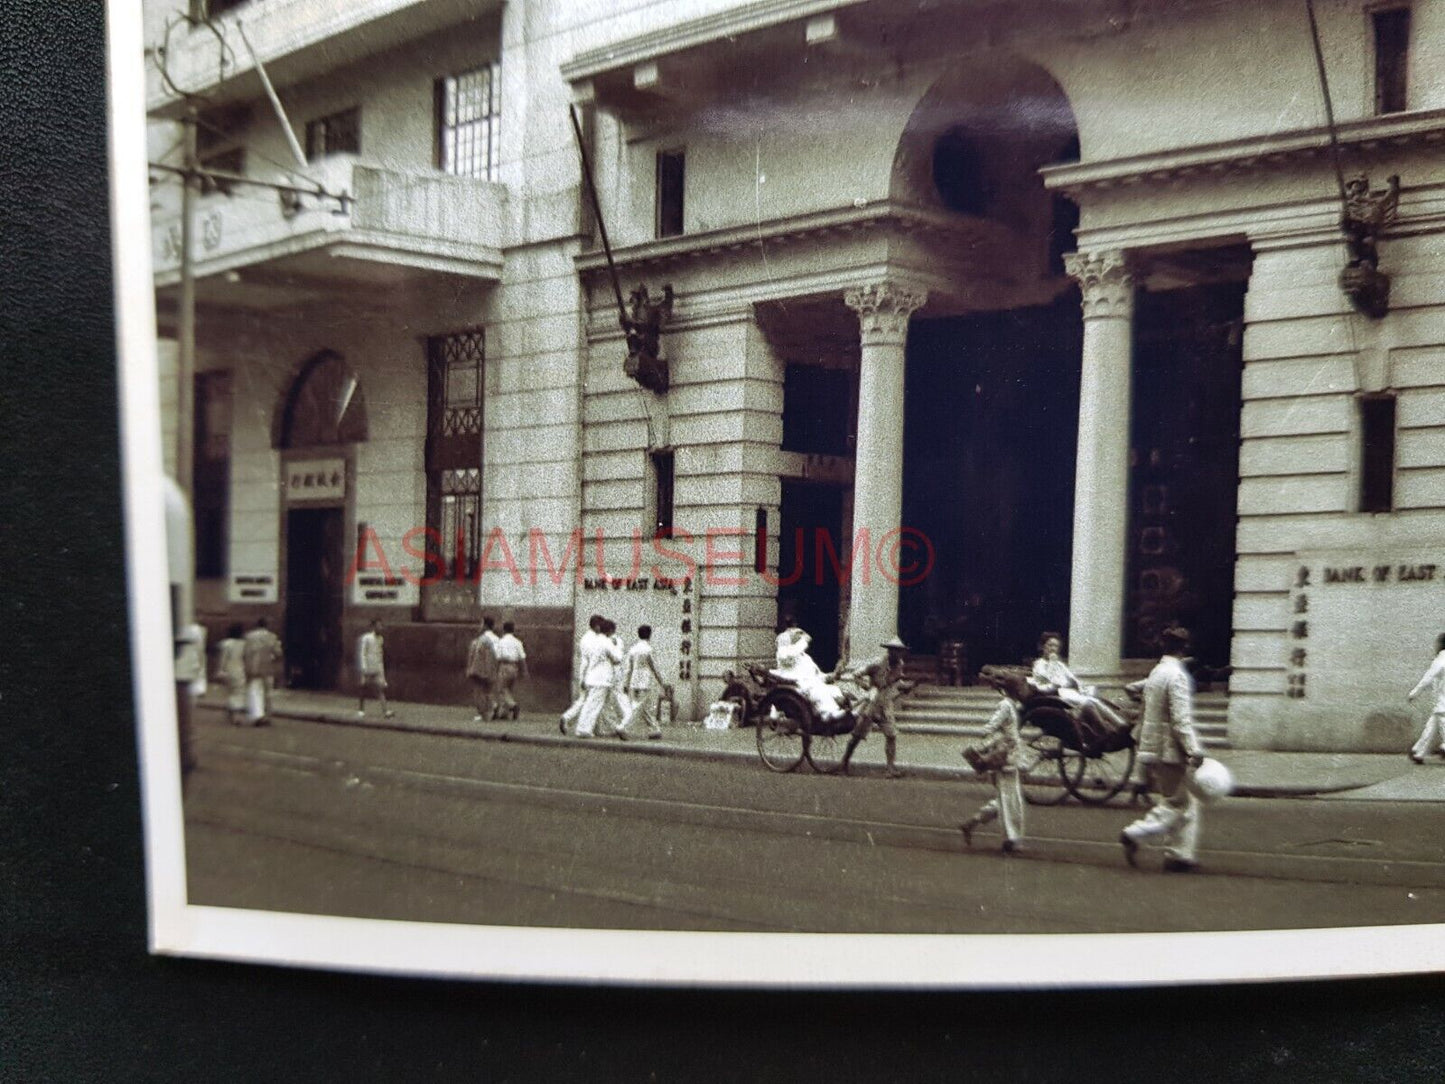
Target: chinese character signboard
{"points": [[314, 480]]}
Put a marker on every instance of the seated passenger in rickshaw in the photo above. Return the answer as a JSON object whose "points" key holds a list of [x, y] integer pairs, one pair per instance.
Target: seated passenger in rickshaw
{"points": [[1051, 676], [797, 667]]}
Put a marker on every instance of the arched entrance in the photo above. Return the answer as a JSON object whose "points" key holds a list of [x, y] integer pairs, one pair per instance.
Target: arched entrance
{"points": [[319, 420], [991, 417]]}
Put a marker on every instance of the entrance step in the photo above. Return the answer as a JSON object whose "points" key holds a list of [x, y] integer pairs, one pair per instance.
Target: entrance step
{"points": [[964, 711]]}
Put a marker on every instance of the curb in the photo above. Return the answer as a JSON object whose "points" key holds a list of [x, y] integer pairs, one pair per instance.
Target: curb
{"points": [[665, 748]]}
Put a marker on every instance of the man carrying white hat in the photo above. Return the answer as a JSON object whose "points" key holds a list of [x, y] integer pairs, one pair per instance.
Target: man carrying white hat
{"points": [[1169, 750], [884, 677]]}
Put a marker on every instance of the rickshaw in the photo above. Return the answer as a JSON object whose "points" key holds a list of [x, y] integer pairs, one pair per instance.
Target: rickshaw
{"points": [[1067, 752], [789, 729]]}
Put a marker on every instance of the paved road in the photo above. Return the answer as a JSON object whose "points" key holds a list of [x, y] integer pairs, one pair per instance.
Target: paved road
{"points": [[312, 818]]}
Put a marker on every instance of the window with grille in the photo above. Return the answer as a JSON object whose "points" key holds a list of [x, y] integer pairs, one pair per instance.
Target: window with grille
{"points": [[469, 114], [1392, 52], [337, 133], [454, 450]]}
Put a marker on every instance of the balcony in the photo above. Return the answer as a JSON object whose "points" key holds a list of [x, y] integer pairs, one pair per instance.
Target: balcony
{"points": [[250, 249], [295, 40]]}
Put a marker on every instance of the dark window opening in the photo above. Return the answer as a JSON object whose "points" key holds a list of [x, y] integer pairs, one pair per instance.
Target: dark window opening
{"points": [[454, 452], [212, 472], [468, 123], [671, 173], [760, 540], [219, 133], [1377, 453], [338, 133], [663, 467], [1392, 51], [817, 410], [200, 9]]}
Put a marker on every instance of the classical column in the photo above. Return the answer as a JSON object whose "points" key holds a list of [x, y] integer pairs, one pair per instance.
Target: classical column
{"points": [[1101, 475], [883, 311]]}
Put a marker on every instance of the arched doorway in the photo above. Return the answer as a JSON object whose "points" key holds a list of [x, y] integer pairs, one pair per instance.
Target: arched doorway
{"points": [[319, 420], [991, 417]]}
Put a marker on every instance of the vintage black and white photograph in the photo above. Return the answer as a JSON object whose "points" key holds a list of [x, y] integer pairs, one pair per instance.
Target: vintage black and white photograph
{"points": [[662, 490]]}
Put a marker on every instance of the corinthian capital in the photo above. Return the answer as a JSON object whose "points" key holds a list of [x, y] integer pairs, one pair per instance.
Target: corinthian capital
{"points": [[1106, 281], [883, 309]]}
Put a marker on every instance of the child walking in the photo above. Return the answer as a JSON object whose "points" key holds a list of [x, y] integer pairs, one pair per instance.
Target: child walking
{"points": [[1007, 804]]}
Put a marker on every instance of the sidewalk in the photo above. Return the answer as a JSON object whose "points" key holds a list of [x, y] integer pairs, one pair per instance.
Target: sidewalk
{"points": [[1257, 773]]}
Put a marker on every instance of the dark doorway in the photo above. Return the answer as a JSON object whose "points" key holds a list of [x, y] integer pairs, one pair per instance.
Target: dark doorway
{"points": [[313, 597], [991, 424], [812, 520], [1184, 467]]}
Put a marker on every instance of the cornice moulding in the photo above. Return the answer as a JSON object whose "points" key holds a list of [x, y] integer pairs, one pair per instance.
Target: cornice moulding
{"points": [[1372, 134], [881, 215], [676, 38]]}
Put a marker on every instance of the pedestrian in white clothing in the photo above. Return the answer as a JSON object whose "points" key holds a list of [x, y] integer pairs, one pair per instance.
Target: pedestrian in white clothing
{"points": [[599, 676], [1170, 750], [371, 665], [643, 683], [260, 654], [1434, 683], [1007, 804], [584, 649]]}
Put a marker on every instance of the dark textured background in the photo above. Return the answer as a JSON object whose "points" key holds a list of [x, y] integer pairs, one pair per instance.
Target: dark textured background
{"points": [[81, 1000]]}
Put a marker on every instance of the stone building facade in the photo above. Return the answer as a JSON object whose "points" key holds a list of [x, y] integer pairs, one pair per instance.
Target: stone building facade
{"points": [[1038, 306]]}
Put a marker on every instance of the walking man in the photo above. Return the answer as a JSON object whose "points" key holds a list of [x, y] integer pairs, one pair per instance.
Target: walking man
{"points": [[584, 648], [1169, 751], [599, 674], [643, 683], [482, 669], [371, 665], [259, 655], [511, 667], [884, 677], [1434, 732]]}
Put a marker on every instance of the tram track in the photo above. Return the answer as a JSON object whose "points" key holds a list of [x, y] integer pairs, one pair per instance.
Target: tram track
{"points": [[1267, 864]]}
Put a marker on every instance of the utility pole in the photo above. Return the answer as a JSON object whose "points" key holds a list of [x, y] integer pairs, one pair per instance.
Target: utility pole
{"points": [[186, 331]]}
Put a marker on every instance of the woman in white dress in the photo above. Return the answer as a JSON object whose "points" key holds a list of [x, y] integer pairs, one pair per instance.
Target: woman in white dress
{"points": [[797, 666], [1052, 676]]}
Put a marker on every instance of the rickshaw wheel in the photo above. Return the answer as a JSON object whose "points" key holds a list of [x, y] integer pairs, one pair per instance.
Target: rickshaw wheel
{"points": [[1042, 769], [825, 751], [1103, 777], [782, 727], [738, 693]]}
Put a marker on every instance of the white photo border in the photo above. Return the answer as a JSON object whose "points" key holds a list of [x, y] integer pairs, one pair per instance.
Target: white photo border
{"points": [[799, 961]]}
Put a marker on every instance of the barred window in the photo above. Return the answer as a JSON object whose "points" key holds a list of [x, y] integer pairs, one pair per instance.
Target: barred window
{"points": [[337, 133], [454, 449], [469, 114]]}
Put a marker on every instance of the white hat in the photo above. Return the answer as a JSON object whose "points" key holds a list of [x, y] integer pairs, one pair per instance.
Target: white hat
{"points": [[1211, 781]]}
